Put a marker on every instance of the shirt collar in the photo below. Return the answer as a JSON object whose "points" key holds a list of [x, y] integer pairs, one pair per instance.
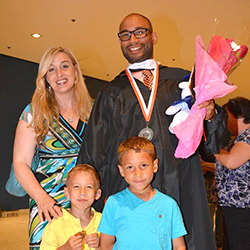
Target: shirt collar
{"points": [[147, 64]]}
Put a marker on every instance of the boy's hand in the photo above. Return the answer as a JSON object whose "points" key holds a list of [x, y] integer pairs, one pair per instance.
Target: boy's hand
{"points": [[92, 240], [73, 243]]}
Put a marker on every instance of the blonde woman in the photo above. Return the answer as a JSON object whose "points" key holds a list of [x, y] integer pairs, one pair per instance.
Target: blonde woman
{"points": [[51, 126]]}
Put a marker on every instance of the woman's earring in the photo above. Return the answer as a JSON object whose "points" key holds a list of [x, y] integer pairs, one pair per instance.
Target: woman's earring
{"points": [[49, 88]]}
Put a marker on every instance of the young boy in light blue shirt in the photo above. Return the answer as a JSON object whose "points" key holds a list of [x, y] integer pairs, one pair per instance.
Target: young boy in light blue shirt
{"points": [[140, 217]]}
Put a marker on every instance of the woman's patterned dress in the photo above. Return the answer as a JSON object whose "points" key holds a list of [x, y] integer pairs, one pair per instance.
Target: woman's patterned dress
{"points": [[57, 155]]}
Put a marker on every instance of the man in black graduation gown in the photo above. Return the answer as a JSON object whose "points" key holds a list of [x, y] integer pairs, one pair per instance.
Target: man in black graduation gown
{"points": [[117, 115]]}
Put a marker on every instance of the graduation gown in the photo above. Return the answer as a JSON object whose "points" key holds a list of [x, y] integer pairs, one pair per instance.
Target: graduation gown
{"points": [[116, 116]]}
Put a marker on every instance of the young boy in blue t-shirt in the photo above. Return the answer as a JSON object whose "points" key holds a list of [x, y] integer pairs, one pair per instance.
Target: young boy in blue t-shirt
{"points": [[140, 217]]}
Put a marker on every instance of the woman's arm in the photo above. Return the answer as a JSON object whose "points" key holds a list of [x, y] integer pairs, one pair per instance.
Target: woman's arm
{"points": [[238, 155], [24, 148], [208, 166]]}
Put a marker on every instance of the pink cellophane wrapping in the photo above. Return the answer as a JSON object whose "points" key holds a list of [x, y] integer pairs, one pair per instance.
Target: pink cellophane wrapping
{"points": [[209, 84]]}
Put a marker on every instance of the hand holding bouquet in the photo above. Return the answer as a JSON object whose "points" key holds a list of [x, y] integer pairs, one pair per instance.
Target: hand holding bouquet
{"points": [[211, 71]]}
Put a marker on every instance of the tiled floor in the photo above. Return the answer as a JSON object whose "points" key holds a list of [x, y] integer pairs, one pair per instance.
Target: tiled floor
{"points": [[14, 232]]}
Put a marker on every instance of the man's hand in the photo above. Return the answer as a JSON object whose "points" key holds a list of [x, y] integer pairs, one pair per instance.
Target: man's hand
{"points": [[210, 109]]}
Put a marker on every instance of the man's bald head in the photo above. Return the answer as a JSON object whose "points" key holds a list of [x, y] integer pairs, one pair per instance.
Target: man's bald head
{"points": [[138, 15]]}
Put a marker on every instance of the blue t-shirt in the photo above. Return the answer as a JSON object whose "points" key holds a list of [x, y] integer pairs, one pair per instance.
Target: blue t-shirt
{"points": [[233, 185], [137, 224]]}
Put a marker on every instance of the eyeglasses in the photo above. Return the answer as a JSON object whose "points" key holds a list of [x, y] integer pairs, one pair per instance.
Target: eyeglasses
{"points": [[139, 33]]}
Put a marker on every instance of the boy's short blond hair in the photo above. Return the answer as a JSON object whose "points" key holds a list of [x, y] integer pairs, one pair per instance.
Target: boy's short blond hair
{"points": [[84, 168], [137, 144]]}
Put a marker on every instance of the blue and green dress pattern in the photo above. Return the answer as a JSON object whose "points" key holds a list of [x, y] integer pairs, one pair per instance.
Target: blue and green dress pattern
{"points": [[57, 155]]}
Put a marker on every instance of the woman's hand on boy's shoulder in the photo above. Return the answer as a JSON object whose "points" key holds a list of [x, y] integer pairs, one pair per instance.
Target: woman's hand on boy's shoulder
{"points": [[92, 240], [47, 208]]}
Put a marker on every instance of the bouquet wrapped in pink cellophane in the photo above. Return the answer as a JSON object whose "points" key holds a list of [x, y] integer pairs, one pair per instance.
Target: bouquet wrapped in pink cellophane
{"points": [[211, 71]]}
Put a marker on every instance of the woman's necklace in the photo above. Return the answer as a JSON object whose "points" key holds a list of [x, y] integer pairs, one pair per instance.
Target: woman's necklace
{"points": [[70, 119], [69, 114]]}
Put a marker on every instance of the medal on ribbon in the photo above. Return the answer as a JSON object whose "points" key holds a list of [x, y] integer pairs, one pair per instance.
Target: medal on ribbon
{"points": [[146, 110]]}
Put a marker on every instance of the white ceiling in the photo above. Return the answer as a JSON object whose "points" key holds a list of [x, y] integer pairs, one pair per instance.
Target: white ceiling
{"points": [[92, 37]]}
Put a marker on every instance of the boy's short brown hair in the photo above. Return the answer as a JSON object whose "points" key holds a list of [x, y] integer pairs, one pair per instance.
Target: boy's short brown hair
{"points": [[137, 144], [84, 168]]}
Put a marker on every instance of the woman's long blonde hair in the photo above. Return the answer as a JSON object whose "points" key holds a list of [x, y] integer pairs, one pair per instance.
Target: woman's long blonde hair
{"points": [[44, 105]]}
